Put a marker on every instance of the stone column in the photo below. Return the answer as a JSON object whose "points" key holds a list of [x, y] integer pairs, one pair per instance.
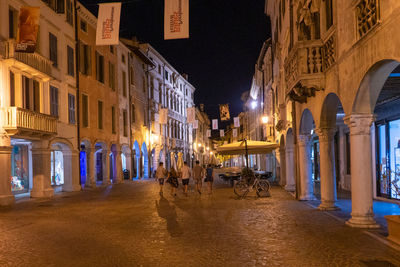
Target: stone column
{"points": [[327, 168], [106, 170], [71, 171], [41, 162], [290, 183], [306, 183], [118, 162], [91, 167], [362, 215], [281, 155], [6, 197]]}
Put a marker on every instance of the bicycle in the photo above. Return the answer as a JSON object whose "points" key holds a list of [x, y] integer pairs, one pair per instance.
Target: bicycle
{"points": [[247, 184]]}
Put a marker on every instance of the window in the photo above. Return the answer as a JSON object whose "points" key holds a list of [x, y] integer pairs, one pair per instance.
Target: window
{"points": [[36, 96], [133, 119], [100, 114], [125, 121], [111, 76], [12, 89], [53, 49], [54, 101], [113, 119], [56, 5], [99, 67], [70, 60], [123, 58], [12, 23], [144, 84], [85, 59], [83, 25], [85, 111], [111, 49], [166, 75], [329, 13], [26, 92], [124, 83], [131, 75], [71, 109], [159, 69], [348, 159], [69, 13]]}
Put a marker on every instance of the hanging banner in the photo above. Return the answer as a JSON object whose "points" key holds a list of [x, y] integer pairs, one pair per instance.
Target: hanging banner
{"points": [[224, 112], [107, 32], [28, 27], [195, 124], [215, 124], [234, 133], [236, 122], [191, 114], [208, 133], [221, 133], [163, 117], [176, 19]]}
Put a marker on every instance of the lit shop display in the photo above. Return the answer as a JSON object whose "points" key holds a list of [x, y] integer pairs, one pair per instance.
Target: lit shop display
{"points": [[57, 168], [19, 169]]}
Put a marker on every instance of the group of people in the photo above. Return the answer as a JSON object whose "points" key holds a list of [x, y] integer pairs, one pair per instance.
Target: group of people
{"points": [[198, 173]]}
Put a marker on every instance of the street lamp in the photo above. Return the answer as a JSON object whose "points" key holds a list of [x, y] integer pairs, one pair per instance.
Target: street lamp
{"points": [[253, 104], [264, 119]]}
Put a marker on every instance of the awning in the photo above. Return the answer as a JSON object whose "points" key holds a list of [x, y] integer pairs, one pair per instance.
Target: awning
{"points": [[253, 147]]}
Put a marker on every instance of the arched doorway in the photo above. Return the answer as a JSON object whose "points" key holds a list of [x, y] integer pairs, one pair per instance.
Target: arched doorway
{"points": [[113, 163], [100, 159], [126, 160], [84, 160], [136, 161], [308, 156], [281, 162], [145, 161]]}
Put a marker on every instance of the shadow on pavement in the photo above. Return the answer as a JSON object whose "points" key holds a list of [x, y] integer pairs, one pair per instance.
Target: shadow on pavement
{"points": [[168, 212]]}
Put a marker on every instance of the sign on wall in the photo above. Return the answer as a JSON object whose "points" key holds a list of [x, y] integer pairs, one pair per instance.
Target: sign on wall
{"points": [[224, 112], [221, 133], [234, 133], [191, 115], [107, 32], [215, 124], [236, 122], [28, 27], [176, 19], [208, 133], [195, 124]]}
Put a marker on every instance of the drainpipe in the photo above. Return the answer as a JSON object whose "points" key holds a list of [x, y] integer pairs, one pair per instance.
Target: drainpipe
{"points": [[78, 120]]}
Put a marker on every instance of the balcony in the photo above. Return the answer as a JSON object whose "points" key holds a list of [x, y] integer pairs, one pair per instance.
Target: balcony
{"points": [[22, 122], [33, 63]]}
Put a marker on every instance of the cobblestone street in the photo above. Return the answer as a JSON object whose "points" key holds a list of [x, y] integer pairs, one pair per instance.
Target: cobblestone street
{"points": [[131, 225]]}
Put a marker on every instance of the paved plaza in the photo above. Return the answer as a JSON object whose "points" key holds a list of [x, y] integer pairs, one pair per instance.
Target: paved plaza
{"points": [[129, 224]]}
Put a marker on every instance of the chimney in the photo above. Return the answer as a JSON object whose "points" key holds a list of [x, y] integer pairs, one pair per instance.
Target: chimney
{"points": [[185, 76], [202, 107]]}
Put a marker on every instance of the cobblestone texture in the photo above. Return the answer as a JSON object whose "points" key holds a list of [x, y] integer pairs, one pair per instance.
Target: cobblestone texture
{"points": [[131, 225]]}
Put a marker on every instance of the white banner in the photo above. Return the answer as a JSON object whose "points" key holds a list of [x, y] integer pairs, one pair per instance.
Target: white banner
{"points": [[176, 19], [234, 133], [221, 133], [163, 117], [195, 124], [191, 115], [208, 133], [236, 122], [107, 32], [215, 124]]}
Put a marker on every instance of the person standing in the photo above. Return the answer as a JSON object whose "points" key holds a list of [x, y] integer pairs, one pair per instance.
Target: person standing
{"points": [[173, 181], [161, 174], [209, 178], [198, 174], [185, 175]]}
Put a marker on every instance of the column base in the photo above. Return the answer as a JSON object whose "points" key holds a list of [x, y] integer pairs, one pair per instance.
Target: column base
{"points": [[290, 188], [326, 206], [308, 197], [72, 188], [7, 200], [362, 222], [49, 192]]}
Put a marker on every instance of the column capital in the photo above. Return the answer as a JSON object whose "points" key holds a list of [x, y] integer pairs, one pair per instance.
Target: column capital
{"points": [[325, 134], [304, 139], [359, 124]]}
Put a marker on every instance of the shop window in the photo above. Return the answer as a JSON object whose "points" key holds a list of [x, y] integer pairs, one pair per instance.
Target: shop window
{"points": [[85, 111], [71, 109], [394, 152], [57, 168], [19, 169], [382, 161], [54, 101], [53, 49]]}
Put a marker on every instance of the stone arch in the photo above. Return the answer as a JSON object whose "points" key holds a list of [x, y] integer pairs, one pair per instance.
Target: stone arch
{"points": [[100, 159], [136, 161], [145, 161], [306, 122], [371, 86], [329, 111]]}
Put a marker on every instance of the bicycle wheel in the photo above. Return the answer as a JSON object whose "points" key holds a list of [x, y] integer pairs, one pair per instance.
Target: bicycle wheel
{"points": [[241, 188], [263, 188]]}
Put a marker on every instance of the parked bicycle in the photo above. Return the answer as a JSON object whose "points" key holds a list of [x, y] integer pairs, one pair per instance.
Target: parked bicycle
{"points": [[250, 183]]}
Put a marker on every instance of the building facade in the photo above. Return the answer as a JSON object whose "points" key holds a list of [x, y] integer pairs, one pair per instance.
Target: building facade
{"points": [[334, 76]]}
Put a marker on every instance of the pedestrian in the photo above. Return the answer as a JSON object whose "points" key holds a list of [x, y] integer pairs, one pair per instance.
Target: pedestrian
{"points": [[209, 178], [173, 181], [198, 174], [185, 175], [161, 174]]}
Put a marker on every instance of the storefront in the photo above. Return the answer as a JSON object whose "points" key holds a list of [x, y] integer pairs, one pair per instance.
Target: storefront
{"points": [[388, 158], [57, 168], [20, 169]]}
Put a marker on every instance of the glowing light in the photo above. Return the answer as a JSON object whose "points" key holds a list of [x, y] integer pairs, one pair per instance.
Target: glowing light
{"points": [[199, 145], [211, 152], [208, 148], [264, 119], [253, 104]]}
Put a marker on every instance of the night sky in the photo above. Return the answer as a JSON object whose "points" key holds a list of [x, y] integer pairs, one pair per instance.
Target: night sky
{"points": [[225, 40]]}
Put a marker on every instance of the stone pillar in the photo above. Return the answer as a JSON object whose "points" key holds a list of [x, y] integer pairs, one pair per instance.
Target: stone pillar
{"points": [[41, 162], [6, 197], [118, 162], [327, 168], [91, 179], [306, 183], [106, 170], [290, 183], [282, 158], [362, 215], [71, 171]]}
